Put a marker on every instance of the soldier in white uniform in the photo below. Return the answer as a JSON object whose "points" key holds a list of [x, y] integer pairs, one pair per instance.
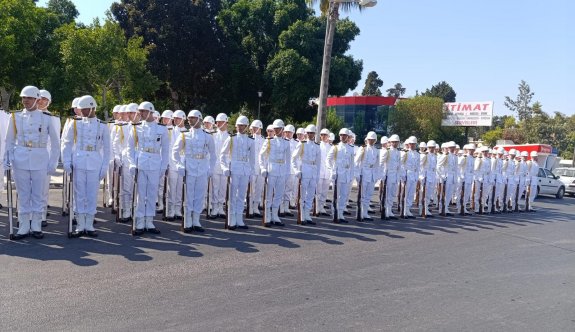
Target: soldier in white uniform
{"points": [[324, 175], [498, 179], [27, 155], [340, 160], [482, 175], [290, 179], [148, 154], [447, 169], [428, 176], [196, 166], [43, 103], [522, 173], [257, 180], [367, 164], [411, 168], [110, 173], [209, 124], [532, 179], [237, 160], [467, 170], [218, 179], [512, 179], [120, 148], [306, 162], [166, 120], [390, 161], [274, 159], [175, 180], [86, 155]]}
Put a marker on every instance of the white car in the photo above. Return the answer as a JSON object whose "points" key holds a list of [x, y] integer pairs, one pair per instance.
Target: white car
{"points": [[567, 176], [549, 184]]}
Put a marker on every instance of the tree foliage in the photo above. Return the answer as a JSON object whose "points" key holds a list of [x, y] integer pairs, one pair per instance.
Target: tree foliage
{"points": [[372, 85], [442, 90], [521, 105], [397, 91]]}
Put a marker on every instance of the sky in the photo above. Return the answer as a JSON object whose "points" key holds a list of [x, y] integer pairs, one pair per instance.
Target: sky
{"points": [[483, 49]]}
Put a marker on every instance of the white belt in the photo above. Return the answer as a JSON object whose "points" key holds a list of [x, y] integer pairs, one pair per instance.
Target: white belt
{"points": [[198, 156], [278, 161], [32, 144], [149, 150], [87, 148]]}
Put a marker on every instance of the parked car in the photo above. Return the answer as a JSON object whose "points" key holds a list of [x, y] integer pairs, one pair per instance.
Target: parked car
{"points": [[549, 184], [567, 176]]}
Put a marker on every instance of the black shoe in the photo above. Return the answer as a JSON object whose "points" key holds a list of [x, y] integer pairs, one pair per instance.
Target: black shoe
{"points": [[17, 237], [222, 216], [310, 222], [328, 200], [38, 235], [430, 216], [91, 233], [393, 218], [268, 224], [325, 214], [138, 232], [169, 219], [293, 207], [198, 228], [232, 228], [188, 230], [44, 223], [212, 216], [74, 223], [289, 214], [153, 230], [335, 221], [77, 234], [243, 227], [160, 211], [348, 206], [360, 220], [257, 215], [449, 214], [346, 213], [178, 218], [468, 214], [279, 223], [342, 221], [368, 219], [281, 214]]}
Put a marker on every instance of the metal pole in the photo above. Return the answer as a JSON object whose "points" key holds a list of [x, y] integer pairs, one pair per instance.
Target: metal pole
{"points": [[260, 93]]}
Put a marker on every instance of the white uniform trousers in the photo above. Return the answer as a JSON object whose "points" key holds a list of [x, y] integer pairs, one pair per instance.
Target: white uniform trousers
{"points": [[196, 189], [45, 195], [274, 195], [468, 184], [511, 192], [391, 186], [367, 189], [429, 193], [109, 180], [161, 186], [126, 194], [499, 195], [410, 186], [449, 190], [289, 192], [256, 193], [147, 188], [86, 184], [218, 193], [308, 189], [532, 192], [175, 190], [487, 193], [30, 202], [343, 189], [522, 191], [238, 192], [321, 194]]}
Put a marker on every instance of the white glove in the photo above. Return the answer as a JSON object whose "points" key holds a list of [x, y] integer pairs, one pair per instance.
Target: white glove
{"points": [[182, 171], [132, 170], [227, 172], [298, 174], [68, 168], [264, 173]]}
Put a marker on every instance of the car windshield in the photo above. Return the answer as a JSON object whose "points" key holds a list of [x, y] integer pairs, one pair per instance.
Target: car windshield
{"points": [[569, 172]]}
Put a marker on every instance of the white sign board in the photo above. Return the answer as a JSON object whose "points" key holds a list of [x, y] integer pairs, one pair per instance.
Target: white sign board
{"points": [[468, 114]]}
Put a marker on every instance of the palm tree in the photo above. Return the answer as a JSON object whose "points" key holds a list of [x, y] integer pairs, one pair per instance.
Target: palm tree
{"points": [[330, 10]]}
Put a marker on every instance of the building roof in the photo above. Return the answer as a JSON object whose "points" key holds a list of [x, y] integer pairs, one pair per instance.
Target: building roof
{"points": [[361, 100]]}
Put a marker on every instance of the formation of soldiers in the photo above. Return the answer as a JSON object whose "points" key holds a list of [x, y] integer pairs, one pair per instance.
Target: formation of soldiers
{"points": [[154, 163]]}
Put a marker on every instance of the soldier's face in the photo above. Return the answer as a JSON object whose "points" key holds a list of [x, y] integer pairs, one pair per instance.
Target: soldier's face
{"points": [[452, 150], [431, 149], [411, 146], [343, 138], [270, 133], [255, 130], [194, 121], [43, 103], [222, 125], [301, 137], [208, 125], [134, 116], [166, 121], [288, 134], [86, 112], [179, 122], [278, 131], [241, 128], [29, 103], [311, 136], [395, 144], [370, 142], [324, 138], [147, 115]]}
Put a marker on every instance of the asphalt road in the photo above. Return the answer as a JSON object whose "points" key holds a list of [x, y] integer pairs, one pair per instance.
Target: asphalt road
{"points": [[512, 272]]}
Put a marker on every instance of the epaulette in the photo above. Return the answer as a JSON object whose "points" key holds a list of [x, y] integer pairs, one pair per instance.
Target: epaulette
{"points": [[232, 135], [268, 138], [121, 124], [171, 128], [316, 143], [161, 124], [208, 132], [185, 130], [137, 123], [17, 111], [251, 137], [50, 114], [287, 139]]}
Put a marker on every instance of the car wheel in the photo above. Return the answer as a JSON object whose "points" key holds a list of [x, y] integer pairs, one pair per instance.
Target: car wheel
{"points": [[560, 193]]}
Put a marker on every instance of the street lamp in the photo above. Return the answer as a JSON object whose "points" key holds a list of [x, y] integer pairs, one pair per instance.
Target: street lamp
{"points": [[260, 94], [332, 17]]}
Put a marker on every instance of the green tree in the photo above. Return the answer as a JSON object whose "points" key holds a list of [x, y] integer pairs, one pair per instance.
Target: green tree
{"points": [[64, 9], [521, 105], [397, 91], [442, 90], [372, 85]]}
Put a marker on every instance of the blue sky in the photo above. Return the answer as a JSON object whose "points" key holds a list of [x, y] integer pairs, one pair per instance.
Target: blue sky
{"points": [[483, 49]]}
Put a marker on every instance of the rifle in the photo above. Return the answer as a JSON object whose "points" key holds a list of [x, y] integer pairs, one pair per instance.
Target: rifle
{"points": [[134, 194], [481, 198], [248, 199], [334, 202], [120, 210], [461, 200], [265, 199], [439, 188], [184, 203], [417, 189], [399, 199], [208, 199], [473, 195], [359, 197], [113, 197], [443, 208], [383, 198], [71, 202], [517, 198], [423, 199], [228, 205], [104, 191], [505, 198], [493, 197], [299, 207], [9, 203], [65, 198], [527, 196], [164, 194]]}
